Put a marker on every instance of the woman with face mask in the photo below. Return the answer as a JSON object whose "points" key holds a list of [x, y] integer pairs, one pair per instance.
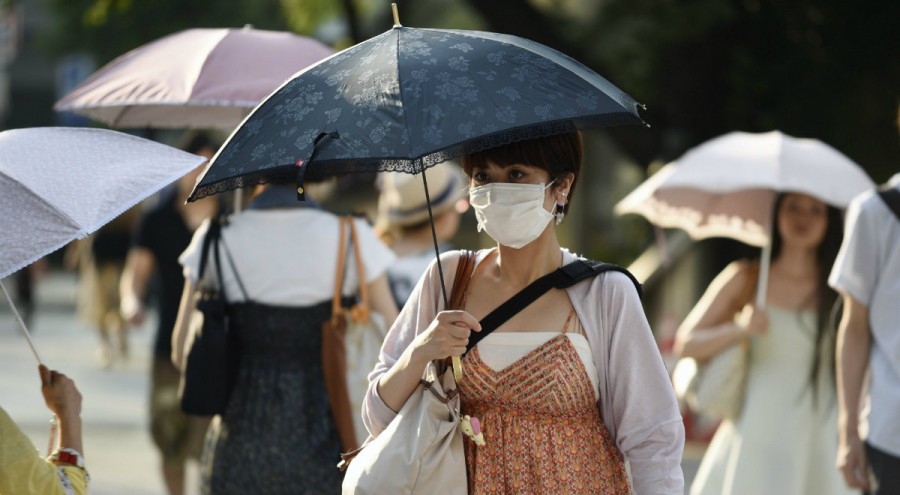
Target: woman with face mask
{"points": [[568, 389]]}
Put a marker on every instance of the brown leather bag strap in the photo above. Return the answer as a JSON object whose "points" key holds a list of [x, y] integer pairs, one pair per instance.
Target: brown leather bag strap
{"points": [[339, 272], [463, 274], [360, 269]]}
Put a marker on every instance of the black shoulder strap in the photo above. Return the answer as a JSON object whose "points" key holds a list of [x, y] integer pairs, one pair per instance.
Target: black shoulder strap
{"points": [[891, 196], [220, 241], [561, 278], [211, 235]]}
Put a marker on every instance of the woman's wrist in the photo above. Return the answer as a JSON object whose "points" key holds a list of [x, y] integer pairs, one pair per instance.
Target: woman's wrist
{"points": [[417, 360], [70, 434], [68, 420]]}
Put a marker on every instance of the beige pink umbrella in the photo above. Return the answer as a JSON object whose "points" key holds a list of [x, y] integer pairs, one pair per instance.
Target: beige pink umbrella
{"points": [[726, 186], [197, 78]]}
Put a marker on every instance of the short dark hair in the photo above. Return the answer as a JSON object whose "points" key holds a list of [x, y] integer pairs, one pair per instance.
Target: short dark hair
{"points": [[194, 141], [557, 154]]}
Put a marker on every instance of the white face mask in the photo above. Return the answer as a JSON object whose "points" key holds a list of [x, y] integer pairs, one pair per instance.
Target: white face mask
{"points": [[512, 214]]}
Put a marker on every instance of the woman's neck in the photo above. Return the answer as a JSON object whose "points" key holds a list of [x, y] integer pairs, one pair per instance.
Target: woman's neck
{"points": [[520, 267], [194, 213], [797, 262]]}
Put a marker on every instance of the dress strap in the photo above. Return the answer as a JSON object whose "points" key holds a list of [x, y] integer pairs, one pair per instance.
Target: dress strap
{"points": [[565, 327]]}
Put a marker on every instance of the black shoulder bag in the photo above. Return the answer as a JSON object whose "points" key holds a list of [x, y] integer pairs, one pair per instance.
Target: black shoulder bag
{"points": [[212, 355]]}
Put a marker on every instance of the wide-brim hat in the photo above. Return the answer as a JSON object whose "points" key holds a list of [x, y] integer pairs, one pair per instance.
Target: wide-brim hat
{"points": [[402, 200]]}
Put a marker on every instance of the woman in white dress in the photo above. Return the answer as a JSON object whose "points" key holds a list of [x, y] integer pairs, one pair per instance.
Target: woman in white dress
{"points": [[785, 438]]}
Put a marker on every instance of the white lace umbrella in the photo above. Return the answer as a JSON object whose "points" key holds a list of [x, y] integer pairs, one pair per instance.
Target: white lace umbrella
{"points": [[726, 187], [58, 184]]}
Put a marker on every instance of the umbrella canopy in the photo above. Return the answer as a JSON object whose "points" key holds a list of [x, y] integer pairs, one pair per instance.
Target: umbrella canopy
{"points": [[725, 187], [58, 184], [200, 78], [410, 98]]}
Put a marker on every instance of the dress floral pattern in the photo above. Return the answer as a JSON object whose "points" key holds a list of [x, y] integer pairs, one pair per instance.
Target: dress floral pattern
{"points": [[542, 428]]}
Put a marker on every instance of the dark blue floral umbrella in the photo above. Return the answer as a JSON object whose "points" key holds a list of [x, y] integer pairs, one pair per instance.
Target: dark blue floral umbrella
{"points": [[410, 98]]}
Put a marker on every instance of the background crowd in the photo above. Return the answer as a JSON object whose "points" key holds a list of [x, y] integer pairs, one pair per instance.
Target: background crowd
{"points": [[828, 319]]}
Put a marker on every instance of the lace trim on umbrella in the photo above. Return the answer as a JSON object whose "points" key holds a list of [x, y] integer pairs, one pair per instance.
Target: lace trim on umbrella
{"points": [[321, 169]]}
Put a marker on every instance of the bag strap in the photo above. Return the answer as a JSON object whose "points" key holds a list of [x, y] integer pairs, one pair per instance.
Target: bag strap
{"points": [[463, 274], [212, 233], [891, 196], [561, 278], [237, 276], [336, 308], [217, 240], [363, 303]]}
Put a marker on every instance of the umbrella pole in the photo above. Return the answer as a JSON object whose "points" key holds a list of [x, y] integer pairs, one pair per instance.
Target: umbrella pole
{"points": [[437, 251], [457, 364], [238, 201], [21, 323]]}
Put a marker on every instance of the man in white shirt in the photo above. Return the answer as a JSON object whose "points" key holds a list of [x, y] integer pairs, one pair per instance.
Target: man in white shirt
{"points": [[867, 274]]}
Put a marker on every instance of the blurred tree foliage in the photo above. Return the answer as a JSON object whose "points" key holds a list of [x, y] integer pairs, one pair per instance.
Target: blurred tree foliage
{"points": [[828, 69], [820, 68], [108, 28]]}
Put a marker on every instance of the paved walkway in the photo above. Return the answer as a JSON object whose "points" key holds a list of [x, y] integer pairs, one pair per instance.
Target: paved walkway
{"points": [[120, 455]]}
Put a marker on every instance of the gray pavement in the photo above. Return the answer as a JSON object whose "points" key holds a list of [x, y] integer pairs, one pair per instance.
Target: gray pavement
{"points": [[119, 452], [120, 455]]}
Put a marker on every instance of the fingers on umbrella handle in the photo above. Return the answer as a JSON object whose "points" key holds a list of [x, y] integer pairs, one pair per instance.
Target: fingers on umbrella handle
{"points": [[45, 374], [457, 368]]}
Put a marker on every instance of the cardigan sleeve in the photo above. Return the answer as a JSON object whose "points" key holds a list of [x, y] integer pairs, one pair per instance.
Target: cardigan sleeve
{"points": [[637, 402], [417, 314]]}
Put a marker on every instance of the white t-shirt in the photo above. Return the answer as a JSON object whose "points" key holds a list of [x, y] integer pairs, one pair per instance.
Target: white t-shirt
{"points": [[868, 268], [286, 256]]}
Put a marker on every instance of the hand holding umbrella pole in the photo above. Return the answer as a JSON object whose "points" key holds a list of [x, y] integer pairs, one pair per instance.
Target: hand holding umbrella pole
{"points": [[54, 420], [457, 363]]}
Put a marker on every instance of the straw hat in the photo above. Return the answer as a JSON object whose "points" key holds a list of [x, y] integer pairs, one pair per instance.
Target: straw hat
{"points": [[402, 199]]}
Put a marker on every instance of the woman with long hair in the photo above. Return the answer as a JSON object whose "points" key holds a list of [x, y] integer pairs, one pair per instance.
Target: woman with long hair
{"points": [[784, 440]]}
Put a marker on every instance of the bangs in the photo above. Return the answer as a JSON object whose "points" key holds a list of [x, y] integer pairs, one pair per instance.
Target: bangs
{"points": [[554, 154]]}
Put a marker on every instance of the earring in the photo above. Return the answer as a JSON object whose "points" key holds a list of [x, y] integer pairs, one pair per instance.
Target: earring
{"points": [[560, 211]]}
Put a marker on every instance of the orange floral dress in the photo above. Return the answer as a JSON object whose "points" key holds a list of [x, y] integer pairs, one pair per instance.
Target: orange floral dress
{"points": [[541, 425]]}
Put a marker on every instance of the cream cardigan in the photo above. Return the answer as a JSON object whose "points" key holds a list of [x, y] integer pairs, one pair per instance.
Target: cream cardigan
{"points": [[637, 401]]}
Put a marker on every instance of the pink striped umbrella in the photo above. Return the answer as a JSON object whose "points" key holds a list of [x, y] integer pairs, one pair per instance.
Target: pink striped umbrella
{"points": [[197, 78]]}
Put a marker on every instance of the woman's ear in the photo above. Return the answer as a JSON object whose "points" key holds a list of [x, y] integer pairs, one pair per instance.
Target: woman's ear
{"points": [[563, 185]]}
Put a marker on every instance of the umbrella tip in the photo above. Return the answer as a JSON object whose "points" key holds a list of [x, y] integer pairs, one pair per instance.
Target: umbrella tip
{"points": [[396, 15]]}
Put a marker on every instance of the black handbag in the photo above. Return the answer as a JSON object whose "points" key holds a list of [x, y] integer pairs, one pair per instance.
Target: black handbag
{"points": [[212, 353]]}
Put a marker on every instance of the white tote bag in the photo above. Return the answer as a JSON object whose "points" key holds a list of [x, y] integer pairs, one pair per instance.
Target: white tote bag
{"points": [[420, 451]]}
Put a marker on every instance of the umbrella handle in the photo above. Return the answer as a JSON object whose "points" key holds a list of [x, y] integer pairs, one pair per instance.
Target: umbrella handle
{"points": [[457, 369], [21, 323]]}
